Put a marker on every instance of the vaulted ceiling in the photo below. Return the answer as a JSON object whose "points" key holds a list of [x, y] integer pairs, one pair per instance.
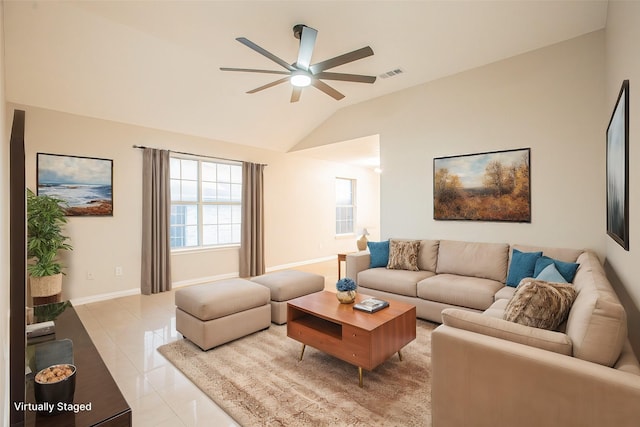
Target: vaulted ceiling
{"points": [[156, 63]]}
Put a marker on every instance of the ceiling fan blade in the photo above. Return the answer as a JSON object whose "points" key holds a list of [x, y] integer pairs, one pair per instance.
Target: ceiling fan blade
{"points": [[251, 70], [307, 42], [295, 95], [345, 77], [342, 59], [268, 85], [327, 89], [266, 53]]}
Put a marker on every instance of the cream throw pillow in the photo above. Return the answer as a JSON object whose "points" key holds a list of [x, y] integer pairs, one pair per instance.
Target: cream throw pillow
{"points": [[403, 255], [540, 304]]}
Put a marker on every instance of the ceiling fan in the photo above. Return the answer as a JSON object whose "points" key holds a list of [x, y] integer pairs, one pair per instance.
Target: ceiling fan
{"points": [[302, 73]]}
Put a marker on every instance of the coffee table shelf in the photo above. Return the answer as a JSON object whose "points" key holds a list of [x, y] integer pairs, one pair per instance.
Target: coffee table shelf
{"points": [[317, 324]]}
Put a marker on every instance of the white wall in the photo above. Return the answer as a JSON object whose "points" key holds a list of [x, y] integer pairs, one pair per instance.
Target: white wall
{"points": [[623, 62], [4, 240], [550, 100], [299, 203]]}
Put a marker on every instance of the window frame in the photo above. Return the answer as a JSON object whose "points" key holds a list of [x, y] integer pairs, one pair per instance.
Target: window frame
{"points": [[352, 205], [200, 204]]}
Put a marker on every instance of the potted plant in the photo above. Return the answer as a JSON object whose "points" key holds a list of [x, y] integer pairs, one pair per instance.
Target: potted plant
{"points": [[346, 290], [45, 219]]}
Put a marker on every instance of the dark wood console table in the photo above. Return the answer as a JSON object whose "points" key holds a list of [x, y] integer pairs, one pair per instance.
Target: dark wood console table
{"points": [[94, 383]]}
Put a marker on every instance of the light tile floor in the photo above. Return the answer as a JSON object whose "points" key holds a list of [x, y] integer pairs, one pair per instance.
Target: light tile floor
{"points": [[126, 331]]}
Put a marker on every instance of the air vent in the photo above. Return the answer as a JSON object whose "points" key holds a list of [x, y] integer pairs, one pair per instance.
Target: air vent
{"points": [[391, 73]]}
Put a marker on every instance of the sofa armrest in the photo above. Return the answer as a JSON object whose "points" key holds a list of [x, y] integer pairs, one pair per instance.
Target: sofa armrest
{"points": [[499, 328], [357, 262], [478, 380]]}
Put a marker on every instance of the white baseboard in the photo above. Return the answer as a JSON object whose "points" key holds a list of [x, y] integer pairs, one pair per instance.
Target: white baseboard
{"points": [[104, 297], [201, 280], [189, 282], [300, 263]]}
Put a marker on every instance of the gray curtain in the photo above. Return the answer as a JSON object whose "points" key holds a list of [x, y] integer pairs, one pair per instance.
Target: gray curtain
{"points": [[156, 211], [252, 237]]}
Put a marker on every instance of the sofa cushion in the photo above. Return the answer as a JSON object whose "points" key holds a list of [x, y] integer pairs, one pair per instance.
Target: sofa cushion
{"points": [[288, 284], [562, 254], [484, 260], [428, 255], [463, 291], [551, 274], [379, 254], [505, 293], [567, 269], [540, 304], [497, 308], [597, 322], [402, 282], [627, 362], [522, 265], [403, 255], [218, 299], [499, 328]]}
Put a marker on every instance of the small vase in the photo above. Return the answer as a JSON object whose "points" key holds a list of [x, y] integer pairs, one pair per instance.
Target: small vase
{"points": [[346, 297]]}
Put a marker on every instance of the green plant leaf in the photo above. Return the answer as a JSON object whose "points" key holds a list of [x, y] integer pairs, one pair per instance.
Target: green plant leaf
{"points": [[45, 221]]}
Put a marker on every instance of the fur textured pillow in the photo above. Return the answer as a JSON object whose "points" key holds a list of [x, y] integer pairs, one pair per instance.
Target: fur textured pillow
{"points": [[540, 304], [403, 255]]}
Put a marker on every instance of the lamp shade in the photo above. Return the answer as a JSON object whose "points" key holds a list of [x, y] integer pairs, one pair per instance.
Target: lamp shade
{"points": [[365, 232]]}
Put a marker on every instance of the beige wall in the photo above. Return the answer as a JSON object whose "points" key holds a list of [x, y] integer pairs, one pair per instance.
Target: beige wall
{"points": [[299, 203], [623, 62], [550, 100], [4, 239]]}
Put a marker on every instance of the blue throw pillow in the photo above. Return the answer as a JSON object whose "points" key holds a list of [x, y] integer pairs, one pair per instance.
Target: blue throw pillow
{"points": [[551, 274], [522, 265], [567, 269], [379, 254]]}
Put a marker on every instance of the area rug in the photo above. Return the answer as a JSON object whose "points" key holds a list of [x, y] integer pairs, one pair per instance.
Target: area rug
{"points": [[259, 381]]}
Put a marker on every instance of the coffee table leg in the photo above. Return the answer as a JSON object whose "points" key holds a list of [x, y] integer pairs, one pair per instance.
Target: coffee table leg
{"points": [[302, 352], [360, 376], [400, 355]]}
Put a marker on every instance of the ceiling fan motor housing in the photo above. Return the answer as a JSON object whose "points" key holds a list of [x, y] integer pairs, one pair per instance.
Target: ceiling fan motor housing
{"points": [[297, 30]]}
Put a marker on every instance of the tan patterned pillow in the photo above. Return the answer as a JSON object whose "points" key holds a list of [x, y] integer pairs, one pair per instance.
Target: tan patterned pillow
{"points": [[403, 255], [540, 304]]}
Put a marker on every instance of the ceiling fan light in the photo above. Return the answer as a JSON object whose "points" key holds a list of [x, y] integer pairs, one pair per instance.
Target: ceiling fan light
{"points": [[300, 79]]}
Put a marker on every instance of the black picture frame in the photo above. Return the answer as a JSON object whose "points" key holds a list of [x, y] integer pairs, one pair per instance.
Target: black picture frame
{"points": [[491, 186], [618, 169], [85, 184]]}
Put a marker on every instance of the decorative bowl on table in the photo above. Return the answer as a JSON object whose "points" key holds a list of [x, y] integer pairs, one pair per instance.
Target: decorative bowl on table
{"points": [[346, 290], [55, 384]]}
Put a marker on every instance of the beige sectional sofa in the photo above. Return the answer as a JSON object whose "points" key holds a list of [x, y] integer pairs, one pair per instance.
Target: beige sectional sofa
{"points": [[487, 371]]}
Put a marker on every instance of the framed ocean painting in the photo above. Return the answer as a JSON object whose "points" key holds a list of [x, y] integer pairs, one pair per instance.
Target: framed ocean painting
{"points": [[85, 184]]}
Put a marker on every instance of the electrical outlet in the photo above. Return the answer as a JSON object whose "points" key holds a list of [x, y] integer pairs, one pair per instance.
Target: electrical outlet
{"points": [[118, 271], [89, 275]]}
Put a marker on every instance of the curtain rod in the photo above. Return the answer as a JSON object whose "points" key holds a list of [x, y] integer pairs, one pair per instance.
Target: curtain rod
{"points": [[142, 147]]}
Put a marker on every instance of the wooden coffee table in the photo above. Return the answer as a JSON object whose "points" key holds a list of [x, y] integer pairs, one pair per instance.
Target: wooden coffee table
{"points": [[363, 339]]}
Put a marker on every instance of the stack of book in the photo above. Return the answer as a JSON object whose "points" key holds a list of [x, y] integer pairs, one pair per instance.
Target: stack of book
{"points": [[371, 305]]}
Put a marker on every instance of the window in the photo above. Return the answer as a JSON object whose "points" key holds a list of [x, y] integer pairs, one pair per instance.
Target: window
{"points": [[345, 205], [205, 203]]}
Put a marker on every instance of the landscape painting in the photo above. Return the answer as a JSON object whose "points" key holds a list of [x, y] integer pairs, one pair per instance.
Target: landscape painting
{"points": [[492, 186], [85, 184], [617, 170]]}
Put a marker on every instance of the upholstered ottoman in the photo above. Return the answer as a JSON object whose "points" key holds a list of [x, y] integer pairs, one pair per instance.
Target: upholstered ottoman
{"points": [[286, 285], [219, 312]]}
